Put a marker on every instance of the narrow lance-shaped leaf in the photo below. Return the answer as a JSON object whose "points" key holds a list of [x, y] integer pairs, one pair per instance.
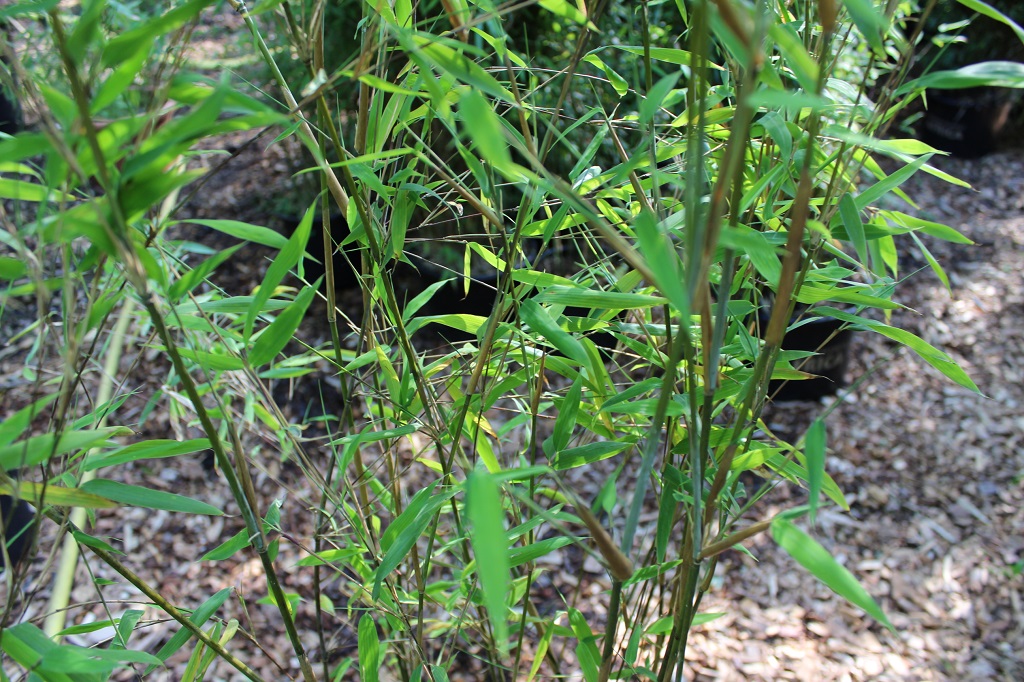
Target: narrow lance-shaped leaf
{"points": [[145, 497], [485, 130], [279, 267], [814, 451], [542, 322], [490, 548], [275, 337], [929, 353], [198, 617], [369, 649], [822, 565], [412, 524]]}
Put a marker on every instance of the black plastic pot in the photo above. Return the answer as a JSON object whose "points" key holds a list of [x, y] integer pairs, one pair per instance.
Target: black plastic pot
{"points": [[8, 113], [966, 123], [831, 343], [19, 524]]}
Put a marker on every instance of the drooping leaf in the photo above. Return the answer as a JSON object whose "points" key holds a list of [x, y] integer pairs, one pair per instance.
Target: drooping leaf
{"points": [[488, 134], [412, 523], [369, 649], [814, 451], [822, 565], [929, 353], [586, 645], [490, 549]]}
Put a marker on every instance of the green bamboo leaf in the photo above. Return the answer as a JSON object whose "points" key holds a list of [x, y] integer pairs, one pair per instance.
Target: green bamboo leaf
{"points": [[215, 362], [565, 421], [125, 627], [412, 524], [456, 63], [118, 81], [145, 497], [369, 649], [412, 510], [250, 233], [587, 454], [55, 495], [463, 322], [196, 275], [660, 254], [592, 298], [871, 23], [661, 54], [274, 338], [233, 305], [937, 230], [929, 353], [439, 673], [763, 255], [15, 425], [618, 83], [792, 471], [240, 540], [993, 13], [279, 267], [804, 67], [129, 43], [586, 645], [147, 449], [29, 646], [933, 263], [652, 102], [775, 125], [490, 548], [672, 483], [888, 183], [11, 268], [483, 129], [22, 190], [372, 435], [566, 10], [816, 559], [227, 549], [541, 322], [30, 8], [854, 226], [521, 555], [814, 452], [421, 299], [990, 74], [39, 449], [198, 617]]}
